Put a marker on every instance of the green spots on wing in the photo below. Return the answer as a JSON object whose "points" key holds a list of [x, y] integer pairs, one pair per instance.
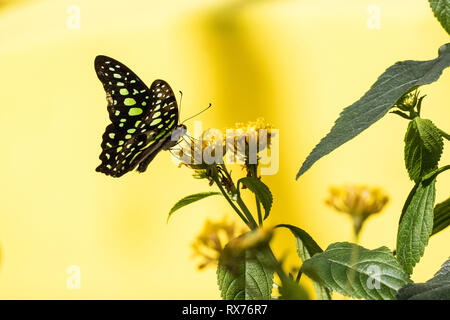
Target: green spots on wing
{"points": [[149, 144], [137, 153], [117, 76], [155, 122], [156, 115], [112, 135], [128, 136], [132, 130], [107, 156], [135, 111], [109, 145], [137, 123], [123, 92], [121, 124], [160, 134], [119, 149], [157, 107], [120, 84], [123, 120], [171, 124], [135, 92], [117, 112], [144, 103], [129, 102]]}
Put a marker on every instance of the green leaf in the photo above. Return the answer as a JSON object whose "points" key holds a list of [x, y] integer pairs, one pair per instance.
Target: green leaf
{"points": [[441, 10], [247, 275], [397, 80], [261, 191], [441, 218], [190, 199], [437, 288], [416, 224], [423, 148], [306, 248], [357, 272]]}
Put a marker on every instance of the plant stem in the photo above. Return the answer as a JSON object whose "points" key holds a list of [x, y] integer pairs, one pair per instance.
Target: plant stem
{"points": [[444, 134], [258, 205], [299, 275], [253, 225], [225, 194], [251, 221]]}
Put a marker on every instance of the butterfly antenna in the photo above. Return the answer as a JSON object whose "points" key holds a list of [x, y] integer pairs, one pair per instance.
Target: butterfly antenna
{"points": [[210, 105], [181, 99]]}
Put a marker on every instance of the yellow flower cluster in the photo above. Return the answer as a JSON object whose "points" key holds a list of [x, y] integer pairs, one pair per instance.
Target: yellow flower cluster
{"points": [[247, 136], [212, 143], [236, 248], [358, 201], [209, 244], [242, 139]]}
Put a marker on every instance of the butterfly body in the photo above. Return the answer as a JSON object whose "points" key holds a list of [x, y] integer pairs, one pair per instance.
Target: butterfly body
{"points": [[144, 120]]}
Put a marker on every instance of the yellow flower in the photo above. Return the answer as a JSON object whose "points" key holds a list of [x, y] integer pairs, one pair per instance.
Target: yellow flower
{"points": [[251, 136], [358, 201], [200, 155], [211, 241], [252, 239], [245, 140]]}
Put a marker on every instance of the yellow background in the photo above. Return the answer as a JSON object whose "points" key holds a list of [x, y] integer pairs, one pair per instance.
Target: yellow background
{"points": [[296, 63]]}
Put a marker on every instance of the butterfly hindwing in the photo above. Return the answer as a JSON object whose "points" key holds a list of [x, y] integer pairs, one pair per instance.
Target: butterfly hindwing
{"points": [[141, 117], [163, 115]]}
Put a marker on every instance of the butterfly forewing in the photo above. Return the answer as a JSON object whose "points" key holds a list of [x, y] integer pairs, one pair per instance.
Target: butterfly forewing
{"points": [[140, 117]]}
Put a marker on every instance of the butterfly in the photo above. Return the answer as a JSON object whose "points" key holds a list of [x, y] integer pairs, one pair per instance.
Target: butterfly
{"points": [[144, 120]]}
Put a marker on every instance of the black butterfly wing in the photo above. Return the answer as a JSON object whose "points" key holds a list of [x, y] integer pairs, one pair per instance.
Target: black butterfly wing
{"points": [[141, 117], [160, 122]]}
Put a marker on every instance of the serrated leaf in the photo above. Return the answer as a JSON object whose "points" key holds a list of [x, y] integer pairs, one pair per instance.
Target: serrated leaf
{"points": [[190, 199], [423, 148], [261, 191], [441, 10], [357, 272], [306, 248], [437, 288], [416, 224], [441, 217], [246, 276], [397, 80]]}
